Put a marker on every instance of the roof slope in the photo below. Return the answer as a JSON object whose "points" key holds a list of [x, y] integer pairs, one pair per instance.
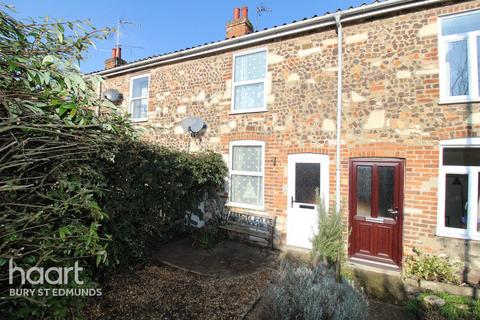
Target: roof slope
{"points": [[349, 14]]}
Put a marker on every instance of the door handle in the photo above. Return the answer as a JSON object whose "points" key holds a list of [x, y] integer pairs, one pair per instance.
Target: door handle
{"points": [[291, 202], [393, 213], [307, 206]]}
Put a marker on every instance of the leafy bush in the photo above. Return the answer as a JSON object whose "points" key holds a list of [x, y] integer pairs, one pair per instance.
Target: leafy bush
{"points": [[150, 189], [431, 267], [73, 181], [304, 294], [49, 211]]}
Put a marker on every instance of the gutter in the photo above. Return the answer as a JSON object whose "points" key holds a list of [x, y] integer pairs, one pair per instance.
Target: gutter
{"points": [[349, 15], [338, 24]]}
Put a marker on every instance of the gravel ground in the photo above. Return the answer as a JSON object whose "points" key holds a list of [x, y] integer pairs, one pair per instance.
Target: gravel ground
{"points": [[160, 292]]}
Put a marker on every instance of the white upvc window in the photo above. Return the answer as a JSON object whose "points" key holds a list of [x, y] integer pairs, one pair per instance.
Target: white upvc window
{"points": [[459, 56], [138, 105], [247, 174], [249, 75], [458, 191]]}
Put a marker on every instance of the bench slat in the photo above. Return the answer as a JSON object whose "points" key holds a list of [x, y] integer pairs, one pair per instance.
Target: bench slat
{"points": [[258, 234], [257, 225]]}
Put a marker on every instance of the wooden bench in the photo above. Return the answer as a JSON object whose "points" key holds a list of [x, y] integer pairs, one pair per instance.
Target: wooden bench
{"points": [[255, 225]]}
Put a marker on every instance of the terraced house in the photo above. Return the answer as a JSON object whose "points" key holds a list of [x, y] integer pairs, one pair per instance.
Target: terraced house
{"points": [[386, 124]]}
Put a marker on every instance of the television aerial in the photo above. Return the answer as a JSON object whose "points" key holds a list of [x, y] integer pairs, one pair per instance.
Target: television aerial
{"points": [[261, 9], [193, 125]]}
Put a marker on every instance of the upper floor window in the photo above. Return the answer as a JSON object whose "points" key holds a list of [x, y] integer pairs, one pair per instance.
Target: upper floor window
{"points": [[249, 73], [459, 50], [459, 189], [247, 173], [139, 97]]}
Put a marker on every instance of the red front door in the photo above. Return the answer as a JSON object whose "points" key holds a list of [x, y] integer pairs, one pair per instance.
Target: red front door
{"points": [[376, 210]]}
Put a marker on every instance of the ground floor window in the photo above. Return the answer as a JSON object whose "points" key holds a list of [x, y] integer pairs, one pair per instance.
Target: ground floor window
{"points": [[247, 173], [459, 190]]}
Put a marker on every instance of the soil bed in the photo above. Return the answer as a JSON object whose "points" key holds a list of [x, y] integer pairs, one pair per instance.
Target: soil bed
{"points": [[161, 292]]}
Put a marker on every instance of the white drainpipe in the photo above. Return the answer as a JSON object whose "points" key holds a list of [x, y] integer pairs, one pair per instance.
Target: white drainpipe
{"points": [[339, 110]]}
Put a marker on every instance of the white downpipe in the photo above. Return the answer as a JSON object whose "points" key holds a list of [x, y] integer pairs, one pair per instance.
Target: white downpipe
{"points": [[339, 110]]}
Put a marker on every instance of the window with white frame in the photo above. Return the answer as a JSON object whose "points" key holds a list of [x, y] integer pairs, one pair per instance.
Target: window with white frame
{"points": [[459, 192], [249, 73], [247, 173], [139, 97], [459, 50]]}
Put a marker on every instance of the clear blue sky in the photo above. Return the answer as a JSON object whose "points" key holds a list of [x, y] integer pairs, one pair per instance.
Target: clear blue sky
{"points": [[163, 26]]}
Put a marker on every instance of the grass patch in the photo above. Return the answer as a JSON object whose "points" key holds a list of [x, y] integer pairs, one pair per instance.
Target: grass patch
{"points": [[456, 307]]}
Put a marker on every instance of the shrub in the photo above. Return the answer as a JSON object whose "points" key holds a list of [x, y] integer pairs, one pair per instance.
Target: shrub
{"points": [[328, 245], [430, 267], [150, 190], [49, 191], [455, 307], [73, 181], [329, 242], [302, 293]]}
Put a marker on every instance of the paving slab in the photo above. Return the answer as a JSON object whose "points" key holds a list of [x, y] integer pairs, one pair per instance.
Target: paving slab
{"points": [[227, 258]]}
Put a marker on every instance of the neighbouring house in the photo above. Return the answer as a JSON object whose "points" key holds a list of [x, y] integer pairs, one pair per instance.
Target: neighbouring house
{"points": [[409, 97]]}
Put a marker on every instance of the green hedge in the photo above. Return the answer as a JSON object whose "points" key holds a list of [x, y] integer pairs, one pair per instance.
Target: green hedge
{"points": [[76, 187], [150, 190]]}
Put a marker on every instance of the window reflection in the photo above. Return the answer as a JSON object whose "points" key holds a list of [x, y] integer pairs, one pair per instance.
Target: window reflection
{"points": [[456, 196]]}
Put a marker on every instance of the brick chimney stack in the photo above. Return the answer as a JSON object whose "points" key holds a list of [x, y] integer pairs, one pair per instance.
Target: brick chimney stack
{"points": [[116, 59], [240, 25]]}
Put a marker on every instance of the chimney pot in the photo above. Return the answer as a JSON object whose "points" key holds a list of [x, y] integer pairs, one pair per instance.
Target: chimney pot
{"points": [[245, 13], [236, 14], [116, 59], [240, 25]]}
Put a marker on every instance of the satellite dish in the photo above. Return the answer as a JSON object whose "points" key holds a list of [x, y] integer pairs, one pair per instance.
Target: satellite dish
{"points": [[193, 125], [113, 95]]}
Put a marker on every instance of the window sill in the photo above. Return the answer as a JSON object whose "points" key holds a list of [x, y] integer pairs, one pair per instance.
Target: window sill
{"points": [[447, 102], [234, 112], [447, 234], [139, 120], [245, 206]]}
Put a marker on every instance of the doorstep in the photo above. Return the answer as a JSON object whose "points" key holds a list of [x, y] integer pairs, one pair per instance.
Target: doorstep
{"points": [[374, 266], [379, 282]]}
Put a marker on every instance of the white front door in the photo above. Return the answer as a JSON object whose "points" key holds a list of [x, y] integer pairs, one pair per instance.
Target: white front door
{"points": [[306, 173]]}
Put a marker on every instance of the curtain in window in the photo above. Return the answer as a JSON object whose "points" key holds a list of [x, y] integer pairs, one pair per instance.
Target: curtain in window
{"points": [[249, 96], [250, 67], [247, 188]]}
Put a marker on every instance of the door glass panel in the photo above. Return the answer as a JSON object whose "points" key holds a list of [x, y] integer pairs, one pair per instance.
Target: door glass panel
{"points": [[386, 186], [461, 157], [456, 196], [307, 181], [364, 191]]}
